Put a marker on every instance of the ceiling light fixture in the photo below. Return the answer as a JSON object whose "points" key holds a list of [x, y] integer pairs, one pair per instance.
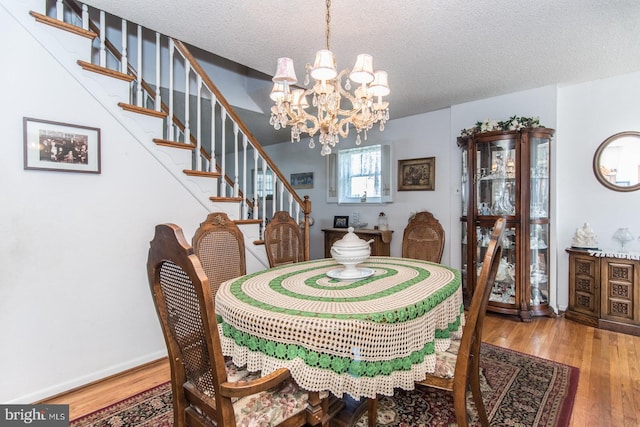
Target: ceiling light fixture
{"points": [[330, 119]]}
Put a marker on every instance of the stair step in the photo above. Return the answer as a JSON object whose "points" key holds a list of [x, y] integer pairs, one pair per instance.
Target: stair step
{"points": [[226, 199], [44, 19], [105, 71], [204, 174], [142, 110], [174, 144]]}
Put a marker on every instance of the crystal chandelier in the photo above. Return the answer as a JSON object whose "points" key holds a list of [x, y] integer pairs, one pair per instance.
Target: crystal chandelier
{"points": [[329, 119]]}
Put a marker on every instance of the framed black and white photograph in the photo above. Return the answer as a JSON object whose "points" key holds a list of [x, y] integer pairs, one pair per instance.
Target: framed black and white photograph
{"points": [[340, 222], [63, 147], [417, 174], [302, 180]]}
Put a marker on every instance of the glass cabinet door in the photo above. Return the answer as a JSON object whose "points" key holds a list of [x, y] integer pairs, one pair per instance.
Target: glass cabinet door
{"points": [[539, 268], [539, 177], [464, 259], [496, 178], [464, 196]]}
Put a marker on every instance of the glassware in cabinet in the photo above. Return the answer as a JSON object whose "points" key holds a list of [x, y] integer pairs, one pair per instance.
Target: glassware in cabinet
{"points": [[505, 285], [495, 177]]}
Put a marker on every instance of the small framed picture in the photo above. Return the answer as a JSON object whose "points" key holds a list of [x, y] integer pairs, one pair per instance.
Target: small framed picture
{"points": [[417, 174], [302, 180], [62, 147], [340, 222]]}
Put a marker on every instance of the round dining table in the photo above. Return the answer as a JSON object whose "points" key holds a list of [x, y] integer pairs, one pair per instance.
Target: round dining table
{"points": [[363, 337]]}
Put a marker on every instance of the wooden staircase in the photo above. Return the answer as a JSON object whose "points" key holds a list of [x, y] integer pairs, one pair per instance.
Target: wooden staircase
{"points": [[194, 130]]}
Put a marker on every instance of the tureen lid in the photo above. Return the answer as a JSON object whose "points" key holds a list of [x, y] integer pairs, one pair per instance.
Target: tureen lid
{"points": [[351, 240]]}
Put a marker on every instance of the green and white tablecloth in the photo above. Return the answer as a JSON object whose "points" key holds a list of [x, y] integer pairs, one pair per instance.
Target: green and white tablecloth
{"points": [[362, 337]]}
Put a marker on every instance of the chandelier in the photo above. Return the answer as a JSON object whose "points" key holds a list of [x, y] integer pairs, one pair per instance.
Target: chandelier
{"points": [[329, 118]]}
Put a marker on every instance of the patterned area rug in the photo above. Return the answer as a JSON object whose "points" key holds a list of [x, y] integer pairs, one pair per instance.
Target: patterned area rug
{"points": [[518, 390]]}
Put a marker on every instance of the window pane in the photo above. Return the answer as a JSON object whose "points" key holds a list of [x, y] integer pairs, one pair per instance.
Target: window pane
{"points": [[359, 171]]}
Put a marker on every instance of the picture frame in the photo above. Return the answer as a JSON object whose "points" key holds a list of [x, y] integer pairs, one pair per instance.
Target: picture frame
{"points": [[417, 174], [340, 221], [301, 180], [61, 147]]}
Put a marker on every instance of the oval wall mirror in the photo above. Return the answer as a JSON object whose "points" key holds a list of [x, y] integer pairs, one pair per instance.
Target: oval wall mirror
{"points": [[616, 163]]}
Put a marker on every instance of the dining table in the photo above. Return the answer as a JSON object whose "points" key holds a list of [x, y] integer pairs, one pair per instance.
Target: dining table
{"points": [[361, 337]]}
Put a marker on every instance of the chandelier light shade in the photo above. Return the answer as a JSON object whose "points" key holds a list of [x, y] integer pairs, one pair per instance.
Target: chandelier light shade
{"points": [[335, 107], [285, 73]]}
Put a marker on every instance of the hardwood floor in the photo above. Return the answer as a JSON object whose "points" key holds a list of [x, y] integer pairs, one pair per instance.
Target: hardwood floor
{"points": [[608, 391]]}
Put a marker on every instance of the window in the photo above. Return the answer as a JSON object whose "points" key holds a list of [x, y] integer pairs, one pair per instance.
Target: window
{"points": [[360, 175], [264, 183]]}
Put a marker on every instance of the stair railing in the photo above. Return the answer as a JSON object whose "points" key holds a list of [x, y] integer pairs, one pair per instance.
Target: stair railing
{"points": [[169, 80]]}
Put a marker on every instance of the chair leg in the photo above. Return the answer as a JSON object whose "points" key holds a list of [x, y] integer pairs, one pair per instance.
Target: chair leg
{"points": [[477, 397], [460, 406]]}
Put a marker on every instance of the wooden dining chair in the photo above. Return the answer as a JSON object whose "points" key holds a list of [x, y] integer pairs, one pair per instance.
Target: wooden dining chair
{"points": [[458, 368], [219, 244], [283, 240], [423, 238], [204, 392]]}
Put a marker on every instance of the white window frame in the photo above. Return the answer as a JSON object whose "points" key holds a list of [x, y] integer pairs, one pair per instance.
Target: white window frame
{"points": [[337, 176]]}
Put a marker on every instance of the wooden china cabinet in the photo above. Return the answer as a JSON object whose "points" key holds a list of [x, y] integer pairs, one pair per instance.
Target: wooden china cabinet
{"points": [[506, 174]]}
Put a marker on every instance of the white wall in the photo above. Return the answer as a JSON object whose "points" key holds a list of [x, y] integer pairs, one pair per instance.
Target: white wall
{"points": [[588, 114], [75, 304]]}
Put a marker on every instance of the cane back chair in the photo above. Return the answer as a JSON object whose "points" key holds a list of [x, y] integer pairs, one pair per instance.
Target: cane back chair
{"points": [[423, 238], [219, 244], [204, 394], [283, 240]]}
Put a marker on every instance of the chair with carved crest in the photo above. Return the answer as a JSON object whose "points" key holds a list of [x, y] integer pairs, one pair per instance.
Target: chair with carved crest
{"points": [[206, 392]]}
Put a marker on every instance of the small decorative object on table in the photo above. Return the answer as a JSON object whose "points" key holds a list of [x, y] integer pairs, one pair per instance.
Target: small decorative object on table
{"points": [[350, 251], [340, 221], [623, 235], [584, 238], [383, 222]]}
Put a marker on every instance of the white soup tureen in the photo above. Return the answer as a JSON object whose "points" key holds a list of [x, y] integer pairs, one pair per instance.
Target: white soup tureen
{"points": [[351, 251]]}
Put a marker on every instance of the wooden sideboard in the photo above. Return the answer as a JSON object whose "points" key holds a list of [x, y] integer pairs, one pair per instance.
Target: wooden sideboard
{"points": [[604, 292], [379, 247]]}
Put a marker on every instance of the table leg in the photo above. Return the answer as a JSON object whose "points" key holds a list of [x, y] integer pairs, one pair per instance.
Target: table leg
{"points": [[372, 411], [321, 411]]}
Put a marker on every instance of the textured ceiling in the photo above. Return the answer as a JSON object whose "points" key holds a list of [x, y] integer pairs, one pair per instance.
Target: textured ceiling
{"points": [[437, 52]]}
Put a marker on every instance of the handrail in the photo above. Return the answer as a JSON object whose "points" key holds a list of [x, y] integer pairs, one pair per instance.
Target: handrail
{"points": [[236, 119]]}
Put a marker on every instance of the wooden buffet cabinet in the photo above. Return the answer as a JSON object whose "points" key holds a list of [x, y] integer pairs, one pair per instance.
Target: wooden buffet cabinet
{"points": [[604, 292], [379, 247]]}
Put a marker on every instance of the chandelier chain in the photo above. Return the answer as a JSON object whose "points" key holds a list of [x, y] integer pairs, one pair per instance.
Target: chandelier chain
{"points": [[328, 31]]}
